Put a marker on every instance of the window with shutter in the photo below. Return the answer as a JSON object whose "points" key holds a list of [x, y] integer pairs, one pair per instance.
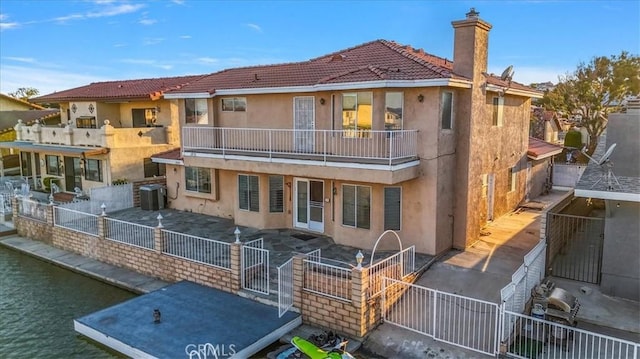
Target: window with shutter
{"points": [[392, 208], [276, 194]]}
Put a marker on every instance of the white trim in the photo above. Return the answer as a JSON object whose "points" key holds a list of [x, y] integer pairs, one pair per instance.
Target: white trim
{"points": [[110, 342], [615, 196], [546, 155], [305, 162], [511, 91], [167, 161], [326, 87]]}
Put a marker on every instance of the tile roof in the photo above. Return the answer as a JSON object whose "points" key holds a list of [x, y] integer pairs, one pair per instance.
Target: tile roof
{"points": [[8, 119], [22, 102], [539, 149], [496, 80], [174, 154], [372, 61], [119, 90]]}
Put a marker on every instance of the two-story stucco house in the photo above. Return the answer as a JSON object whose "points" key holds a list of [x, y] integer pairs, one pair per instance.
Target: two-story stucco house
{"points": [[109, 132], [375, 137]]}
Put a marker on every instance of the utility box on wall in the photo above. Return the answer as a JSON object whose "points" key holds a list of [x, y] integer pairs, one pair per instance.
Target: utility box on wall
{"points": [[152, 197]]}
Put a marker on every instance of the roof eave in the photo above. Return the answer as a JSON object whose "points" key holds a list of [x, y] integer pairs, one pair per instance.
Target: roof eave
{"points": [[512, 91], [608, 195], [545, 155], [440, 82]]}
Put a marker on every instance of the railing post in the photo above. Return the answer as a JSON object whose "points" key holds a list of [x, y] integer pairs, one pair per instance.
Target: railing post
{"points": [[390, 148], [50, 214], [298, 280], [236, 266], [359, 288], [102, 226], [325, 149]]}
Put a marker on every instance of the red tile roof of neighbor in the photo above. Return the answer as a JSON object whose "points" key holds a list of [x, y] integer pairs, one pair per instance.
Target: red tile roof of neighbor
{"points": [[377, 60], [173, 154], [117, 90], [539, 149]]}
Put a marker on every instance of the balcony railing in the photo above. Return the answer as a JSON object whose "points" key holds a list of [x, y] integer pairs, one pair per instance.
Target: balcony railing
{"points": [[106, 136], [376, 147]]}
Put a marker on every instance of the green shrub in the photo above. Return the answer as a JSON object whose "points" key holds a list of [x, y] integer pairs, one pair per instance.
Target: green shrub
{"points": [[573, 139], [46, 182]]}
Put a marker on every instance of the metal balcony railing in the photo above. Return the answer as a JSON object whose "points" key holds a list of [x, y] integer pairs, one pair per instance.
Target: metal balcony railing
{"points": [[360, 146]]}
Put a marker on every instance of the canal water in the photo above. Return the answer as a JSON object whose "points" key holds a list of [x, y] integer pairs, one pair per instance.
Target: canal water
{"points": [[38, 302]]}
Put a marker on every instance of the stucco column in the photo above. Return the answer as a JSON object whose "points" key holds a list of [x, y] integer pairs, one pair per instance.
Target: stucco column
{"points": [[67, 133], [18, 129], [236, 266], [359, 288], [37, 132], [298, 280], [107, 135]]}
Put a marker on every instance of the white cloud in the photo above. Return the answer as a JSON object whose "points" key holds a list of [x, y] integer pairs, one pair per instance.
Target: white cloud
{"points": [[207, 60], [185, 36], [178, 2], [45, 80], [147, 21], [152, 41], [5, 25], [147, 63], [119, 45], [29, 60], [116, 10], [255, 27]]}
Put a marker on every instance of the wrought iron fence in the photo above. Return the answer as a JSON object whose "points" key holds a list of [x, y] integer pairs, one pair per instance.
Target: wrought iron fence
{"points": [[197, 249], [327, 279], [396, 266], [32, 209], [255, 267], [77, 221], [285, 287], [129, 233]]}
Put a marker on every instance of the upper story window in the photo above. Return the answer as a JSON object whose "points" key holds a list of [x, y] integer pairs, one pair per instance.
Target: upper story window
{"points": [[195, 111], [86, 122], [143, 117], [393, 111], [513, 177], [357, 118], [446, 110], [234, 104], [496, 110]]}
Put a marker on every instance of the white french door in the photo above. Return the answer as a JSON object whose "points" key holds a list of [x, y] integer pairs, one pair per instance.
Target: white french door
{"points": [[304, 123], [309, 204]]}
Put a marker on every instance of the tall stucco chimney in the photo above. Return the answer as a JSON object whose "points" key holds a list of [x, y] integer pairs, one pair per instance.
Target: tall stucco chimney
{"points": [[470, 45]]}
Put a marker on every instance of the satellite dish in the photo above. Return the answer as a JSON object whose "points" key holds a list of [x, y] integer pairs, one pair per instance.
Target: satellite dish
{"points": [[507, 74], [607, 168]]}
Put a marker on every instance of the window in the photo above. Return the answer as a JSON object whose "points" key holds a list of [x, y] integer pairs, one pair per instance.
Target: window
{"points": [[25, 164], [248, 193], [195, 111], [143, 117], [392, 208], [512, 179], [446, 110], [356, 206], [198, 179], [152, 169], [496, 111], [93, 170], [53, 165], [234, 104], [393, 111], [86, 122], [357, 117], [276, 194]]}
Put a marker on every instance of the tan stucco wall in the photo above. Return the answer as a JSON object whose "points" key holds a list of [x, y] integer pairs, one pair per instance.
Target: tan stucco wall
{"points": [[128, 162]]}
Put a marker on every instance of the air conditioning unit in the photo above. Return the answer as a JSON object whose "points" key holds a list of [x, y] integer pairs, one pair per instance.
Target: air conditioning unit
{"points": [[152, 197]]}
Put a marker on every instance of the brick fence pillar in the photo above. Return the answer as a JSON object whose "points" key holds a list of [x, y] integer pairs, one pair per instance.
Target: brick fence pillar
{"points": [[14, 207], [298, 280], [50, 211], [102, 226], [359, 288], [236, 266], [158, 242]]}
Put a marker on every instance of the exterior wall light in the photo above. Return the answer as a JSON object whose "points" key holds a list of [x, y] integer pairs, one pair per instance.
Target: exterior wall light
{"points": [[359, 258], [322, 101], [420, 97], [237, 234]]}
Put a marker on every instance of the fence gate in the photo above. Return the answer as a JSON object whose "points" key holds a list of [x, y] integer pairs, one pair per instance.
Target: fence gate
{"points": [[574, 247], [255, 267], [285, 287]]}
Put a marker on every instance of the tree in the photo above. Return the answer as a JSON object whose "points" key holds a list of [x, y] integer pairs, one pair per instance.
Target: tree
{"points": [[25, 93], [594, 90]]}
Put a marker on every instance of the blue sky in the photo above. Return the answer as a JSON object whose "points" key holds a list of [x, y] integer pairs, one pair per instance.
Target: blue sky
{"points": [[57, 45]]}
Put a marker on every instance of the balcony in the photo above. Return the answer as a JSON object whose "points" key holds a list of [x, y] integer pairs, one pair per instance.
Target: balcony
{"points": [[106, 136], [385, 151]]}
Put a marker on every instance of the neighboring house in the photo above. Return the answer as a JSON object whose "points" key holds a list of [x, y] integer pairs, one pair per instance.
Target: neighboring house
{"points": [[109, 131], [11, 110], [620, 190], [545, 125], [375, 137], [540, 167]]}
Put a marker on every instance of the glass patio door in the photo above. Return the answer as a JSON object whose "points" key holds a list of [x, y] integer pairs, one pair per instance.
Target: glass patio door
{"points": [[309, 205]]}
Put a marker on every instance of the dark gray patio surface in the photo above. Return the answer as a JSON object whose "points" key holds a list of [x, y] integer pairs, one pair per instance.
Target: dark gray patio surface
{"points": [[281, 243]]}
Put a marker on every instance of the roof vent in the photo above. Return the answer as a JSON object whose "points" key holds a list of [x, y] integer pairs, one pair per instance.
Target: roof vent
{"points": [[337, 57]]}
